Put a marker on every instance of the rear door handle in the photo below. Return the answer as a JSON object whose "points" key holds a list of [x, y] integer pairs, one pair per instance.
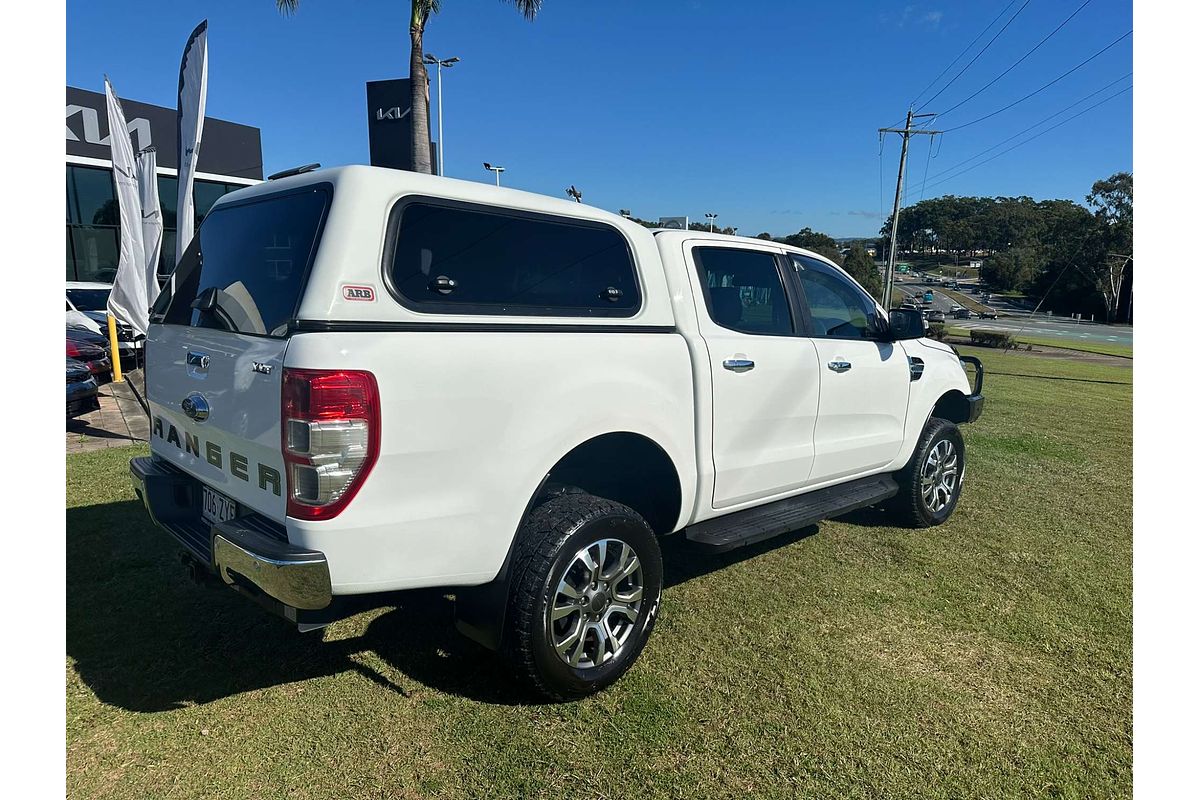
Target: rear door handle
{"points": [[839, 366], [738, 364]]}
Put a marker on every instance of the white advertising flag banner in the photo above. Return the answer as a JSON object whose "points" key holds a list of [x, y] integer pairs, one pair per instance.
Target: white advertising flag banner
{"points": [[127, 300], [152, 222], [193, 91]]}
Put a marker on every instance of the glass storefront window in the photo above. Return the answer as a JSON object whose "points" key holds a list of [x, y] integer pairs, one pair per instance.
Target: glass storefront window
{"points": [[97, 251], [93, 219], [89, 194], [206, 194], [168, 198]]}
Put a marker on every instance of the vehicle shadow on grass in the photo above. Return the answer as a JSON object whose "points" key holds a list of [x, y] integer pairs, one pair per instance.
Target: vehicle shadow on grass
{"points": [[143, 637]]}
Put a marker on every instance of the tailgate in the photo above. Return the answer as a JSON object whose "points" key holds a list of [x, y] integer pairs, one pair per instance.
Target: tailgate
{"points": [[214, 365], [214, 402]]}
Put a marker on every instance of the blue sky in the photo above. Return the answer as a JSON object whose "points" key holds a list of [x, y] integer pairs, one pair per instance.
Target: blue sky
{"points": [[764, 112]]}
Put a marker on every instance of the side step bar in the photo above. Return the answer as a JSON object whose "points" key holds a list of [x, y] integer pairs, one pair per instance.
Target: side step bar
{"points": [[762, 522]]}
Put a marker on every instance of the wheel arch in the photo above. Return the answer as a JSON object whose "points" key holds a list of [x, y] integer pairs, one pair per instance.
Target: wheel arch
{"points": [[952, 406], [627, 467]]}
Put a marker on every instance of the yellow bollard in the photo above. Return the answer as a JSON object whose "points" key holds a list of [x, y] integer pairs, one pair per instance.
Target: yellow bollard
{"points": [[116, 351]]}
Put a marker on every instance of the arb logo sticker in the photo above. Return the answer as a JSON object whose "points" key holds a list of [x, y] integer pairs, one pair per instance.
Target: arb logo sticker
{"points": [[358, 293]]}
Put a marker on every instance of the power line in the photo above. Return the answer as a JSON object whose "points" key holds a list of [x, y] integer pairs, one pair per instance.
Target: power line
{"points": [[1031, 138], [1044, 86], [977, 55], [960, 55], [1019, 60], [1035, 125]]}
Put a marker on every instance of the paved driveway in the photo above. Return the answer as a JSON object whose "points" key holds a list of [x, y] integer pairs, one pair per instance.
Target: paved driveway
{"points": [[119, 422]]}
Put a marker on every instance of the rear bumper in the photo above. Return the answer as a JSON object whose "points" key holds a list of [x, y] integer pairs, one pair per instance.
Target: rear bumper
{"points": [[247, 553]]}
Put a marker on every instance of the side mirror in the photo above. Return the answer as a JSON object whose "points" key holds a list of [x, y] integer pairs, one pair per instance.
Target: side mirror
{"points": [[906, 323]]}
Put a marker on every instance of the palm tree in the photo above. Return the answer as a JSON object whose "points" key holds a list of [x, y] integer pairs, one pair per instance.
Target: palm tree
{"points": [[418, 80]]}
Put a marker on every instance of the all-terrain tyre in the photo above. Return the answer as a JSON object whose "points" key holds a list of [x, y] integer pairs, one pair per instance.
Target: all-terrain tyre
{"points": [[585, 587], [931, 482]]}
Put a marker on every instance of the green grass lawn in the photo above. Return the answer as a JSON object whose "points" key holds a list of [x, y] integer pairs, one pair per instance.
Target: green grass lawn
{"points": [[990, 657]]}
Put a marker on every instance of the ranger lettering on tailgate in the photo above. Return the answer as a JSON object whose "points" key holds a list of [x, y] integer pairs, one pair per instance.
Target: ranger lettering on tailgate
{"points": [[238, 464]]}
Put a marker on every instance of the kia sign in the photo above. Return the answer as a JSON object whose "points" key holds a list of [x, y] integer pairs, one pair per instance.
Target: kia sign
{"points": [[229, 148], [389, 124]]}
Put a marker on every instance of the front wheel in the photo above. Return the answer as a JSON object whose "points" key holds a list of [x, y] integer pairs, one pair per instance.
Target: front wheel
{"points": [[586, 586], [932, 480]]}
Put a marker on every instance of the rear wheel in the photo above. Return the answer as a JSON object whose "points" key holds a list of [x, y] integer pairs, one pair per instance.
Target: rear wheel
{"points": [[931, 482], [586, 586]]}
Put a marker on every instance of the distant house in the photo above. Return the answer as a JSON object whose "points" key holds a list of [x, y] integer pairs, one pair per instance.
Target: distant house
{"points": [[976, 263]]}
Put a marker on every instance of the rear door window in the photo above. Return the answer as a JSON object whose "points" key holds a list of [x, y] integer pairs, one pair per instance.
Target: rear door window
{"points": [[743, 290], [472, 260], [245, 270]]}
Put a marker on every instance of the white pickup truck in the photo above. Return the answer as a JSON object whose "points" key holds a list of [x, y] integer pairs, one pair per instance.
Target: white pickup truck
{"points": [[369, 380]]}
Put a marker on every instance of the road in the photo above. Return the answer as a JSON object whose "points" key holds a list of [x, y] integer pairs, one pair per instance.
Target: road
{"points": [[1040, 326]]}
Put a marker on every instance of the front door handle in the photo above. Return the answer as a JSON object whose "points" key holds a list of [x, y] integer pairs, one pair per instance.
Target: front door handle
{"points": [[839, 366], [738, 364]]}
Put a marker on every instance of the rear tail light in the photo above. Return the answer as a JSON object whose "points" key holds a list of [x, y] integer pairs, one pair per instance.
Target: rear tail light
{"points": [[330, 429], [72, 349]]}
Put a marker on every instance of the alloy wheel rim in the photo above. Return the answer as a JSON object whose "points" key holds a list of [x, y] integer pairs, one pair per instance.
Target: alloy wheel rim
{"points": [[594, 610], [940, 476]]}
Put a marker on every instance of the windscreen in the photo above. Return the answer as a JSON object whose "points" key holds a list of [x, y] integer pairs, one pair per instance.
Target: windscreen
{"points": [[245, 270], [88, 299]]}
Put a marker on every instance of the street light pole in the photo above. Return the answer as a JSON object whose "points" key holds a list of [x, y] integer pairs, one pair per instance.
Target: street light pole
{"points": [[711, 219], [449, 62], [494, 168]]}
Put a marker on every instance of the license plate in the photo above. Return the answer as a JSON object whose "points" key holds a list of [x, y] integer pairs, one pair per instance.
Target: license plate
{"points": [[216, 507]]}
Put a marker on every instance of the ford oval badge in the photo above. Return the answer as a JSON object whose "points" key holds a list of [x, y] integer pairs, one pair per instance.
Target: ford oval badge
{"points": [[195, 406]]}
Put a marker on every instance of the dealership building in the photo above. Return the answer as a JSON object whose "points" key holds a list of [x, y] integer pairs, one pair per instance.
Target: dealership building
{"points": [[230, 158]]}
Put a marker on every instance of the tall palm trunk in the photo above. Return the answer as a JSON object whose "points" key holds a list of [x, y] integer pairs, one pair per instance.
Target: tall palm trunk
{"points": [[419, 84]]}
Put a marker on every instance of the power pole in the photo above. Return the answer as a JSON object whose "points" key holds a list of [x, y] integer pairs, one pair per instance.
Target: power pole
{"points": [[891, 264]]}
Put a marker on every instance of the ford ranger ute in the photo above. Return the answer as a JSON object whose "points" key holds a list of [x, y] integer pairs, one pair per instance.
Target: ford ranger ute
{"points": [[365, 380]]}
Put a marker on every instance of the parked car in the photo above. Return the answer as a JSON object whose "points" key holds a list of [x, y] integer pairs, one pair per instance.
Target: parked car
{"points": [[82, 391], [90, 300], [936, 316], [82, 346], [457, 385]]}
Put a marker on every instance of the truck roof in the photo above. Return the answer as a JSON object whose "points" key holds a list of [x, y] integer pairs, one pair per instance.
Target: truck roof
{"points": [[382, 181], [725, 238]]}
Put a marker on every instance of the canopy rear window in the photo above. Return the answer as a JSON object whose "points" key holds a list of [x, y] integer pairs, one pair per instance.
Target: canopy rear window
{"points": [[459, 259], [245, 270]]}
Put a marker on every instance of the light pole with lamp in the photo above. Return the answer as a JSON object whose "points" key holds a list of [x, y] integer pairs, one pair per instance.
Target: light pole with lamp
{"points": [[494, 168], [711, 219], [448, 62]]}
